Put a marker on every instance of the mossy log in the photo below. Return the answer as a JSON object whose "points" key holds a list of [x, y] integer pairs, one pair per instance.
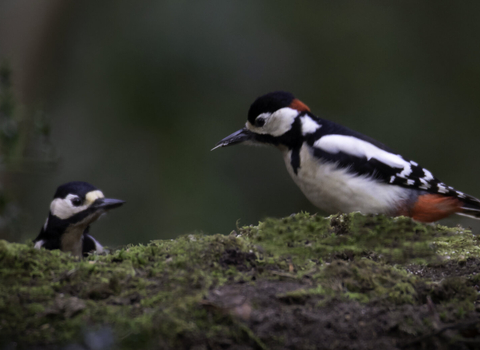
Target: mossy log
{"points": [[301, 282]]}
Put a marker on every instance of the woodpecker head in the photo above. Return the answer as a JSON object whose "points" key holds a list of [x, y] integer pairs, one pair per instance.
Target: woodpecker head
{"points": [[74, 207], [271, 118], [79, 201]]}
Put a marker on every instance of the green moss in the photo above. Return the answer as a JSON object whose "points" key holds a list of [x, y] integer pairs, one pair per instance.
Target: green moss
{"points": [[162, 291]]}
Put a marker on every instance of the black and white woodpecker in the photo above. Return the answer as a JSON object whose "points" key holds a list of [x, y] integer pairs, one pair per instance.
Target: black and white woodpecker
{"points": [[75, 206], [340, 170]]}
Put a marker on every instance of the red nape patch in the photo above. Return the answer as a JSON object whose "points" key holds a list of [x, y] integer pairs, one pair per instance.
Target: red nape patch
{"points": [[299, 106], [433, 207]]}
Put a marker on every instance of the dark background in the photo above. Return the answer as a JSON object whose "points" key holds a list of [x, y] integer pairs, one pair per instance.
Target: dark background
{"points": [[137, 93]]}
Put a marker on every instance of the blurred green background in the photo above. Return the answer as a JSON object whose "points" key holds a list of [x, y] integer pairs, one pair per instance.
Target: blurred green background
{"points": [[137, 93]]}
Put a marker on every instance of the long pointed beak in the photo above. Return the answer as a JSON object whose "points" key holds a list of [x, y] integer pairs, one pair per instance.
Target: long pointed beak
{"points": [[107, 203], [238, 136]]}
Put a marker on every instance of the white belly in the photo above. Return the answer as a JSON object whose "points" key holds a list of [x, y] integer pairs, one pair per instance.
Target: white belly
{"points": [[335, 190]]}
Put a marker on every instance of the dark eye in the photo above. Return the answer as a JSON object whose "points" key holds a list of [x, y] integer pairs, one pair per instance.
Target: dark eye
{"points": [[259, 122], [76, 201]]}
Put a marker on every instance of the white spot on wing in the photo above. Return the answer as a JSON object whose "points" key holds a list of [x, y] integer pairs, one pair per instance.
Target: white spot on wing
{"points": [[309, 126], [405, 172], [425, 185], [46, 224], [442, 188], [410, 182], [392, 179], [428, 174]]}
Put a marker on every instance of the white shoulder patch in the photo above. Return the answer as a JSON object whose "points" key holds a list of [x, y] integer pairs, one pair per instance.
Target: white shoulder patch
{"points": [[39, 244], [360, 148], [309, 126]]}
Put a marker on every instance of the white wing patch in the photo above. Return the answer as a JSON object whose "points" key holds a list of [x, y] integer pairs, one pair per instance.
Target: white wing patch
{"points": [[359, 148], [428, 175], [309, 126], [411, 174]]}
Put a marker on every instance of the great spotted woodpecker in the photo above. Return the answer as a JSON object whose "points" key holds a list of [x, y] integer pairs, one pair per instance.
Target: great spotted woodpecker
{"points": [[75, 206], [340, 170]]}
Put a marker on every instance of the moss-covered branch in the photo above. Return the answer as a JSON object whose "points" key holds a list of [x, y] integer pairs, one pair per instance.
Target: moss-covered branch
{"points": [[300, 282]]}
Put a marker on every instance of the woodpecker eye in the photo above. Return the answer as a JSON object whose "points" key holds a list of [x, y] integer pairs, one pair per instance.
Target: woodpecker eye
{"points": [[259, 122], [76, 201]]}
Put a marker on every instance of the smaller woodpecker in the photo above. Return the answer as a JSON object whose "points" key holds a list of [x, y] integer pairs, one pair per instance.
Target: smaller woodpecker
{"points": [[75, 206], [340, 170]]}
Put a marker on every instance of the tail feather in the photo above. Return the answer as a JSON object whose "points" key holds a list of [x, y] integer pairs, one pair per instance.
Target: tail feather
{"points": [[470, 207], [474, 214]]}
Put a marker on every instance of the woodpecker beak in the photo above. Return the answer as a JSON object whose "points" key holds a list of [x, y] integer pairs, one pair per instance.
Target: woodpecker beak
{"points": [[107, 203], [238, 136]]}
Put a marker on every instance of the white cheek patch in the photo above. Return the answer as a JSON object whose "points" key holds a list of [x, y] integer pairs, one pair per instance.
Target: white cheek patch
{"points": [[359, 148], [63, 207], [93, 196], [277, 123]]}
